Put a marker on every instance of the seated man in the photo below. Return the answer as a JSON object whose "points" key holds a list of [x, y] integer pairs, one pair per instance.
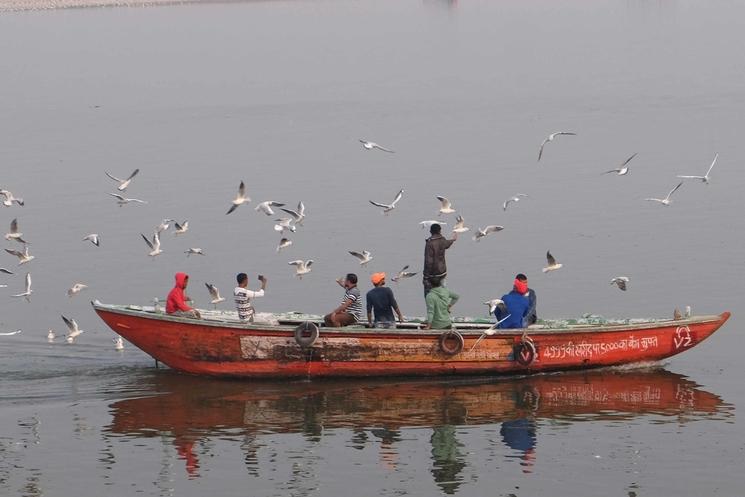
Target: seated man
{"points": [[176, 304], [532, 316], [439, 301], [350, 310], [516, 306], [243, 296], [381, 300]]}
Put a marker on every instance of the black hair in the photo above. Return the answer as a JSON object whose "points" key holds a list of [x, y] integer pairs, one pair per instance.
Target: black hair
{"points": [[521, 277], [352, 278], [435, 229], [435, 281], [241, 277]]}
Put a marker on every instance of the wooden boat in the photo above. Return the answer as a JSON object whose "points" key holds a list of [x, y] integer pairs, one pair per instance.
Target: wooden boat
{"points": [[297, 346]]}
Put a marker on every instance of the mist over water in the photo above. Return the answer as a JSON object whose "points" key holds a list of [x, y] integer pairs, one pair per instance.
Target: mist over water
{"points": [[277, 94]]}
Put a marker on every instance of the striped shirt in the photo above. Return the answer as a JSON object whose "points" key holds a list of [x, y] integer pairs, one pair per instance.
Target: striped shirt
{"points": [[355, 308], [243, 298]]}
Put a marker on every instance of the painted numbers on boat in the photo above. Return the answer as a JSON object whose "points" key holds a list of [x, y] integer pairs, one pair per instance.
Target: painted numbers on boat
{"points": [[683, 338], [589, 350]]}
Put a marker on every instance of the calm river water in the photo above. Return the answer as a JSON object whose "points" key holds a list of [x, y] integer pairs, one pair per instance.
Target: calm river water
{"points": [[202, 96]]}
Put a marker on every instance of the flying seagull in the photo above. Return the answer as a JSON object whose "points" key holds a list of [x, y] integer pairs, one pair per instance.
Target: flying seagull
{"points": [[665, 201], [215, 294], [27, 293], [493, 304], [93, 238], [367, 145], [123, 183], [154, 245], [301, 267], [552, 264], [445, 206], [122, 201], [389, 207], [14, 234], [404, 273], [240, 199], [284, 223], [297, 215], [266, 207], [24, 256], [180, 229], [10, 333], [620, 282], [363, 256], [73, 330], [551, 138], [482, 232], [194, 251], [9, 199], [705, 178], [623, 169], [284, 243], [163, 226], [460, 225], [515, 198], [76, 289]]}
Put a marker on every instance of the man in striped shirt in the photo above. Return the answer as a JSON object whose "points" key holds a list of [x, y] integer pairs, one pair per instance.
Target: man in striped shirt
{"points": [[243, 297], [350, 310]]}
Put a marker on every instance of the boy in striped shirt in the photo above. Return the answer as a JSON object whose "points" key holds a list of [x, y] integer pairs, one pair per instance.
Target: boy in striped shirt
{"points": [[243, 297], [350, 310]]}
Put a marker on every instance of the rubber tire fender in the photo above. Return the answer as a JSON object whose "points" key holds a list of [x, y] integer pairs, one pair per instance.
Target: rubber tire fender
{"points": [[306, 334], [446, 347]]}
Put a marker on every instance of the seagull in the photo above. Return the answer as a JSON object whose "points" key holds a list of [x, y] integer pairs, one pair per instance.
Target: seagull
{"points": [[552, 264], [404, 273], [623, 169], [10, 333], [515, 198], [284, 223], [301, 267], [551, 138], [389, 207], [76, 289], [240, 199], [118, 343], [154, 245], [283, 243], [482, 232], [490, 331], [9, 199], [299, 215], [124, 201], [163, 226], [371, 145], [364, 256], [24, 256], [28, 292], [93, 238], [73, 330], [620, 282], [14, 234], [705, 178], [428, 224], [6, 271], [493, 304], [266, 207], [194, 251], [180, 228], [460, 225], [665, 201], [215, 293], [123, 183], [446, 207], [51, 336]]}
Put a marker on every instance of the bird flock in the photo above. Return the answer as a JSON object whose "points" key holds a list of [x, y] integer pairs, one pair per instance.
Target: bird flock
{"points": [[288, 223]]}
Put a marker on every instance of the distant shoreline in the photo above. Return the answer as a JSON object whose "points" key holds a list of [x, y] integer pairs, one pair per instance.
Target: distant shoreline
{"points": [[35, 5]]}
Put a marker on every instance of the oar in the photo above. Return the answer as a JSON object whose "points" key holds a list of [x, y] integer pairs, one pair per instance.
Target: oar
{"points": [[490, 331]]}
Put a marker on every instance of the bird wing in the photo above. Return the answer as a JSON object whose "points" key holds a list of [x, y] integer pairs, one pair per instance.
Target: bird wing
{"points": [[14, 252], [295, 263], [71, 324], [156, 241], [308, 263], [119, 197], [177, 226], [357, 255], [14, 226], [540, 151], [444, 202], [687, 176], [384, 149], [712, 164], [28, 282], [134, 173], [398, 197], [558, 133], [550, 259], [242, 189], [493, 228], [628, 160], [119, 180], [378, 204], [301, 208], [674, 190], [292, 213], [213, 291], [275, 204], [232, 208], [618, 169], [147, 241], [3, 270]]}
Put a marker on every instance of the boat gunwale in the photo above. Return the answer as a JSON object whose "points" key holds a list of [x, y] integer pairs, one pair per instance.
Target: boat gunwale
{"points": [[253, 328]]}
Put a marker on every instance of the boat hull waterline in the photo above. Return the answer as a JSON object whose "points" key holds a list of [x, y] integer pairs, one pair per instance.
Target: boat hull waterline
{"points": [[232, 349]]}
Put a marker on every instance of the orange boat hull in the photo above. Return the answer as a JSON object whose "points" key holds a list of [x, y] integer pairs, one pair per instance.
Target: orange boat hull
{"points": [[231, 349]]}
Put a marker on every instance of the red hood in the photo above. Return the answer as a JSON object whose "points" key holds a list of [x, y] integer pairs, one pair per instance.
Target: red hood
{"points": [[181, 280]]}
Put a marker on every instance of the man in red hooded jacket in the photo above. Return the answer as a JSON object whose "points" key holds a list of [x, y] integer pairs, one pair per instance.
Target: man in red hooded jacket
{"points": [[176, 303]]}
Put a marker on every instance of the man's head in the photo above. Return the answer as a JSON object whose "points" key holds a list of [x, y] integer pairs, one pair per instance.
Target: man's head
{"points": [[350, 281], [378, 279], [182, 280], [435, 281], [242, 279], [435, 229], [520, 286]]}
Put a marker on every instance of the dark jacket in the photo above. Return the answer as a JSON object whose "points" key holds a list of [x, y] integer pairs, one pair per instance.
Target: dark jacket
{"points": [[434, 255], [176, 298], [532, 316], [516, 305]]}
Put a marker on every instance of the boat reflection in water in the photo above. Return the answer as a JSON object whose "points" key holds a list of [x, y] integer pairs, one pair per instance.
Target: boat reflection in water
{"points": [[192, 409]]}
